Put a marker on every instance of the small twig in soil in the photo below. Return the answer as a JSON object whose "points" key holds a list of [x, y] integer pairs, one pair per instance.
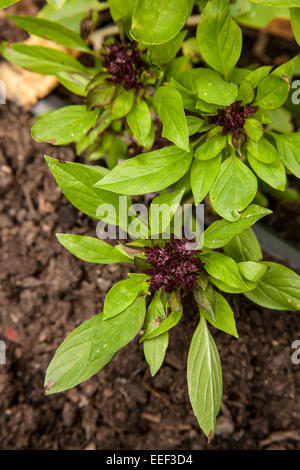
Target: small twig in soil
{"points": [[153, 418], [158, 395], [280, 436]]}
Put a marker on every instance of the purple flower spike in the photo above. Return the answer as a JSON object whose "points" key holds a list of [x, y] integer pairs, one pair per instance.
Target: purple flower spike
{"points": [[123, 63], [233, 118], [173, 266]]}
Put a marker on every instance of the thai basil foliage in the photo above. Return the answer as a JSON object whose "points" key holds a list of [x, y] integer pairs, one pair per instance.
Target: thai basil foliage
{"points": [[151, 297], [222, 139]]}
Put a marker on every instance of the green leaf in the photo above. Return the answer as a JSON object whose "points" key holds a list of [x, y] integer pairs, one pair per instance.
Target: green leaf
{"points": [[174, 301], [280, 120], [120, 330], [278, 3], [72, 364], [254, 129], [246, 92], [272, 173], [7, 3], [148, 172], [162, 211], [224, 316], [166, 325], [233, 190], [100, 96], [64, 125], [225, 269], [204, 377], [211, 148], [279, 289], [164, 53], [189, 99], [288, 148], [56, 3], [117, 150], [224, 287], [73, 81], [252, 271], [244, 247], [295, 22], [206, 299], [155, 348], [77, 180], [72, 14], [52, 31], [220, 233], [122, 104], [272, 92], [159, 21], [255, 15], [203, 175], [169, 107], [92, 249], [258, 74], [204, 107], [210, 86], [238, 74], [99, 79], [139, 121], [122, 295], [40, 59], [196, 124], [286, 70], [177, 67], [219, 37], [121, 10], [263, 151]]}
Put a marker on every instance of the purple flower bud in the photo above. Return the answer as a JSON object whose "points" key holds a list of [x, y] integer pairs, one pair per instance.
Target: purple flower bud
{"points": [[173, 266], [124, 64], [233, 118]]}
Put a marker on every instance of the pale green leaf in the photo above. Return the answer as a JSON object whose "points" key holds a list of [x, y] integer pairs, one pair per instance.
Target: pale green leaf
{"points": [[204, 377], [92, 249], [219, 37], [220, 233], [155, 348], [233, 190], [279, 289], [159, 21], [148, 172], [169, 106], [64, 125], [224, 316]]}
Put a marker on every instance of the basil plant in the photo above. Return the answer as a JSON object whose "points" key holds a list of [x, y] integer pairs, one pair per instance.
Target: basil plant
{"points": [[217, 120], [227, 259]]}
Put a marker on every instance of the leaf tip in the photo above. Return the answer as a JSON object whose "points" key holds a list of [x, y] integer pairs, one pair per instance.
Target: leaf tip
{"points": [[49, 385]]}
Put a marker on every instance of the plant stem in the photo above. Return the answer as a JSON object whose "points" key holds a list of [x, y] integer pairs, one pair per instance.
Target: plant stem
{"points": [[193, 20], [97, 37]]}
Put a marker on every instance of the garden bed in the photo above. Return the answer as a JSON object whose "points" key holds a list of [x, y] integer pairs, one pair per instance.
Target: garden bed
{"points": [[45, 293]]}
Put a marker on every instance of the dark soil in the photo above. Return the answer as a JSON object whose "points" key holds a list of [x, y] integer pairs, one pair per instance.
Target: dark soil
{"points": [[285, 217], [45, 292]]}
